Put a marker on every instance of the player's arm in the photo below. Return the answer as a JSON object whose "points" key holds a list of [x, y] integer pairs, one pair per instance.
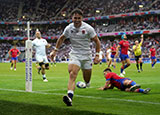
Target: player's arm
{"points": [[106, 86], [142, 36], [58, 44], [130, 49], [98, 48], [149, 53], [9, 53], [117, 49], [135, 47], [48, 45], [19, 53]]}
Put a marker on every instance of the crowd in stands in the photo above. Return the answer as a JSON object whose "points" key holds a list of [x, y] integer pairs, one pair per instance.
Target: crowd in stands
{"points": [[4, 48], [128, 24], [104, 26], [47, 10], [8, 11], [109, 7]]}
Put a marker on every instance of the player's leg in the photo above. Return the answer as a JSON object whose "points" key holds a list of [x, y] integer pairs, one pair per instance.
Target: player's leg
{"points": [[131, 84], [141, 63], [133, 87], [114, 65], [87, 71], [42, 65], [137, 64], [154, 62], [38, 67], [73, 70], [100, 61], [47, 66], [12, 61], [15, 61], [122, 68], [128, 63], [151, 62], [87, 76], [109, 62], [145, 91]]}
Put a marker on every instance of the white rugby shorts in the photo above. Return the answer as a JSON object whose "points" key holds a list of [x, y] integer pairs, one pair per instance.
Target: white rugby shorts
{"points": [[82, 62], [40, 58]]}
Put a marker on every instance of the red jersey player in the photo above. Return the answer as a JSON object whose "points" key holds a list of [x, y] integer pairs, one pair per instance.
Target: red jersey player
{"points": [[152, 55], [124, 45], [113, 52], [124, 84], [14, 53]]}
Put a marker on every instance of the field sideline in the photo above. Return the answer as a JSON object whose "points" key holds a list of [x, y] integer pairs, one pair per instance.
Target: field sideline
{"points": [[46, 98]]}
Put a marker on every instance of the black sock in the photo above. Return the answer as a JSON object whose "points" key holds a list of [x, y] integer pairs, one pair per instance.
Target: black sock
{"points": [[70, 95], [141, 65], [11, 64], [39, 68], [137, 66]]}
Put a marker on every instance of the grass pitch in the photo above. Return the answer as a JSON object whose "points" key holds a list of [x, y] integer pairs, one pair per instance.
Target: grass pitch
{"points": [[46, 98]]}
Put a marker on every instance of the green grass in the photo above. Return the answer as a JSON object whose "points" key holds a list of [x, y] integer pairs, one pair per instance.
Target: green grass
{"points": [[46, 98]]}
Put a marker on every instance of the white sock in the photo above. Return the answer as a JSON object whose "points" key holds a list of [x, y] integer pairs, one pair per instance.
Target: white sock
{"points": [[88, 84], [70, 91], [44, 76]]}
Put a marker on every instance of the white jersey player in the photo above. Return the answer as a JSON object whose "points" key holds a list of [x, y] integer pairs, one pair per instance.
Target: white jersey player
{"points": [[80, 34], [101, 56], [109, 54], [40, 47]]}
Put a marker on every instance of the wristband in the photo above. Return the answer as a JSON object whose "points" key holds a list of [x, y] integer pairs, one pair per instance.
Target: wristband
{"points": [[97, 53]]}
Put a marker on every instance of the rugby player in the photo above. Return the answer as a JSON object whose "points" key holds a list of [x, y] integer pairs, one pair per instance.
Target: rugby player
{"points": [[124, 45], [80, 34], [152, 55], [124, 84], [14, 53], [40, 45], [112, 56]]}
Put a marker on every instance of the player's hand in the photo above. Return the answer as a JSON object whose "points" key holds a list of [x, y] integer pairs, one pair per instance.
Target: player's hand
{"points": [[142, 36], [96, 59], [101, 88], [52, 54]]}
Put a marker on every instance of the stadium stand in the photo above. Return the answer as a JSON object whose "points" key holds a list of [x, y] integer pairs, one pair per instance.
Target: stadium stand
{"points": [[45, 10]]}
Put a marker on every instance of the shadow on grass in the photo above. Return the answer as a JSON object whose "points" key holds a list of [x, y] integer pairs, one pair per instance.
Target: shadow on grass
{"points": [[13, 108]]}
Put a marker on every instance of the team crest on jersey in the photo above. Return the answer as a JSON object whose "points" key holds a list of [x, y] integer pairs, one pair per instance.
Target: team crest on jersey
{"points": [[83, 31]]}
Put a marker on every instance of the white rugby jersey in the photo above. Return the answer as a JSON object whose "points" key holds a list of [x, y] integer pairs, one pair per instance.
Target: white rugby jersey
{"points": [[40, 46], [80, 38], [109, 53], [100, 55]]}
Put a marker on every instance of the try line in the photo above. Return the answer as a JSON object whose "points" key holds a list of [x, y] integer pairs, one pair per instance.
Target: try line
{"points": [[82, 96]]}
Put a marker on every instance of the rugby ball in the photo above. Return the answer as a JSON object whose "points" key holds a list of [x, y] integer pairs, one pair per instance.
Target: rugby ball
{"points": [[81, 84]]}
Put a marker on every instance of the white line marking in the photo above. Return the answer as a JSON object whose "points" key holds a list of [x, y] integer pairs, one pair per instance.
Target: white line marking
{"points": [[52, 90], [90, 97]]}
